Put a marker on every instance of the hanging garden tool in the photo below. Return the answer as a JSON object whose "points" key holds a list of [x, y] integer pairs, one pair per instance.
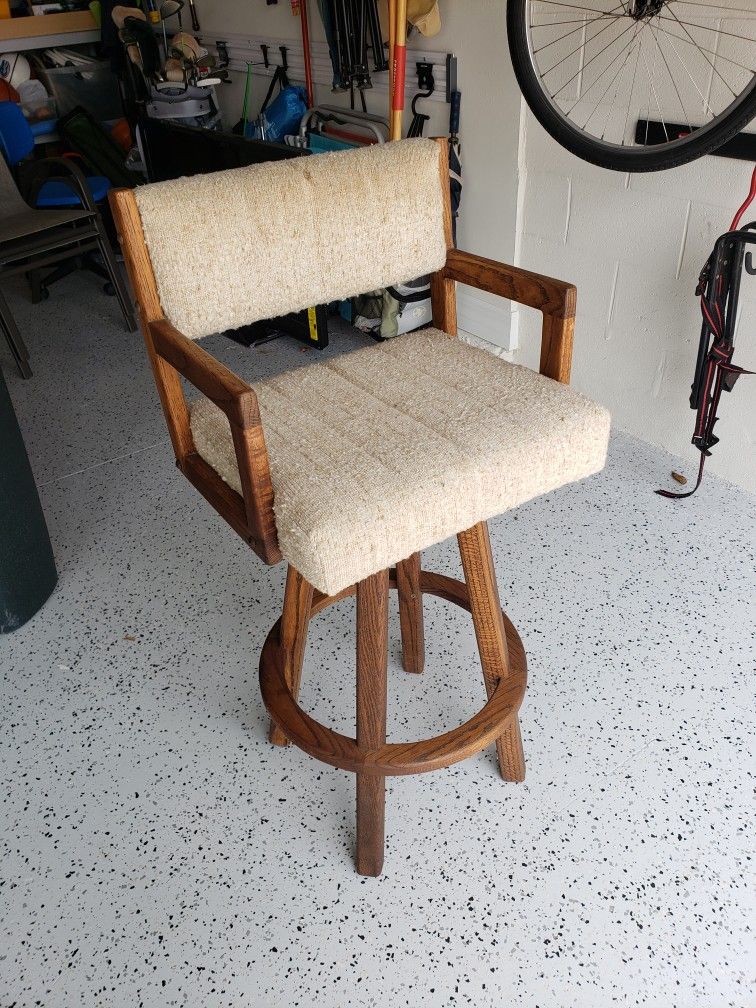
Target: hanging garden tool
{"points": [[719, 290], [353, 31], [299, 9], [398, 18]]}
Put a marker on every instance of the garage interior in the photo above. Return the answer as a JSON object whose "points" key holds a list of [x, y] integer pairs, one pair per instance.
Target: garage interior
{"points": [[157, 848]]}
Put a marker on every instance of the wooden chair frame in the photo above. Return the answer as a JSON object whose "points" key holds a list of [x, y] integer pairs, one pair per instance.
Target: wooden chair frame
{"points": [[250, 514]]}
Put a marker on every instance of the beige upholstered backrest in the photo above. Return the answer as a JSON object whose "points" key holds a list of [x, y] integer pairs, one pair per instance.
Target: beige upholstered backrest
{"points": [[238, 246]]}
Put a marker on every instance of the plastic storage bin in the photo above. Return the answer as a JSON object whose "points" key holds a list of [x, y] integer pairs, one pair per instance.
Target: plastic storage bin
{"points": [[94, 86]]}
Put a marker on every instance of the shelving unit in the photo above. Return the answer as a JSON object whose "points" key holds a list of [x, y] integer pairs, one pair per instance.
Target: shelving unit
{"points": [[46, 30]]}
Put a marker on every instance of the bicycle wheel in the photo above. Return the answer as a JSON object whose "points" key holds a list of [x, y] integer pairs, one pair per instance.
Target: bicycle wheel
{"points": [[593, 70]]}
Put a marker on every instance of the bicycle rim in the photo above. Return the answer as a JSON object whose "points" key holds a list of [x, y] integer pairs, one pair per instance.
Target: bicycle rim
{"points": [[592, 70]]}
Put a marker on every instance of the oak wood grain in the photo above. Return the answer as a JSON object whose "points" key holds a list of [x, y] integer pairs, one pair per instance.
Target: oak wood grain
{"points": [[172, 355], [223, 498], [443, 174], [239, 402], [295, 619], [556, 299], [550, 296], [443, 289], [395, 759], [411, 614], [129, 227], [235, 397], [444, 303], [480, 576], [556, 347], [372, 671]]}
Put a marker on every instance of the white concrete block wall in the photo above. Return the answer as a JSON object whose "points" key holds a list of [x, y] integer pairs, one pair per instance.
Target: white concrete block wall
{"points": [[634, 246]]}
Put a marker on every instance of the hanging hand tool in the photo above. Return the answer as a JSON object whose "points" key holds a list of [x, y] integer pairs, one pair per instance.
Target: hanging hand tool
{"points": [[195, 19], [399, 67], [352, 27], [427, 84], [300, 7], [380, 63]]}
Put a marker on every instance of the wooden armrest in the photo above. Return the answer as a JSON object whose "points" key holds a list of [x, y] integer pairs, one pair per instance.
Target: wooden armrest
{"points": [[239, 402], [229, 393], [554, 298], [171, 355]]}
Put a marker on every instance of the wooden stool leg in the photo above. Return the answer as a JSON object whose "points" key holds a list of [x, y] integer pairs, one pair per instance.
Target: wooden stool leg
{"points": [[477, 562], [411, 613], [372, 664], [294, 623]]}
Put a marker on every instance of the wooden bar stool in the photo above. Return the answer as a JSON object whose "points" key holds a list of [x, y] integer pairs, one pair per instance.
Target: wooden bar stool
{"points": [[348, 469]]}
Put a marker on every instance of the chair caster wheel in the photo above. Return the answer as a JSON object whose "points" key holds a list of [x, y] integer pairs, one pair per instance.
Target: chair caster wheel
{"points": [[109, 289]]}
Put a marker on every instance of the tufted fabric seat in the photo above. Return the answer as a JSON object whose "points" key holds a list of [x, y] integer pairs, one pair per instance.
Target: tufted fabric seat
{"points": [[348, 469], [380, 453]]}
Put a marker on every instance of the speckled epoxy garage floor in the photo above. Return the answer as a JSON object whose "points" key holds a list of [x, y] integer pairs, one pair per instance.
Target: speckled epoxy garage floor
{"points": [[157, 851]]}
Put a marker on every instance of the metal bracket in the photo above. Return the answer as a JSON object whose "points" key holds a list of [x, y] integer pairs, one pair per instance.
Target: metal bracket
{"points": [[266, 60], [425, 79], [451, 76]]}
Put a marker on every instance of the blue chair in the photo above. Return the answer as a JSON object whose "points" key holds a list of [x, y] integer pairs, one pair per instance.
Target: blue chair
{"points": [[17, 139], [58, 184], [54, 220]]}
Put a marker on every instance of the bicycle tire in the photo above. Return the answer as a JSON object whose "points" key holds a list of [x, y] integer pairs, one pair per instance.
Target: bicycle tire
{"points": [[659, 157]]}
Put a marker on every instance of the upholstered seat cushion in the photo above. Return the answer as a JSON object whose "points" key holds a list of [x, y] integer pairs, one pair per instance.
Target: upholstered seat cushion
{"points": [[382, 452]]}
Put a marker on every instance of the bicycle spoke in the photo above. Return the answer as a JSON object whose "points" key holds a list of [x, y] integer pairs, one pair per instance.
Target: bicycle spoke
{"points": [[595, 81], [686, 117], [581, 21], [720, 7], [711, 52], [699, 69], [656, 99], [632, 92], [704, 27], [691, 41], [580, 48], [582, 68], [684, 65], [558, 3], [613, 103], [563, 37], [606, 91]]}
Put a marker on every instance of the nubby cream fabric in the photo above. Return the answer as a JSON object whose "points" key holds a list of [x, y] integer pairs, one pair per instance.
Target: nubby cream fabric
{"points": [[254, 243], [387, 450]]}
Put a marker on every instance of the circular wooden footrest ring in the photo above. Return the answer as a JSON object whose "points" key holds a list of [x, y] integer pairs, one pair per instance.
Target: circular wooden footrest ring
{"points": [[394, 759]]}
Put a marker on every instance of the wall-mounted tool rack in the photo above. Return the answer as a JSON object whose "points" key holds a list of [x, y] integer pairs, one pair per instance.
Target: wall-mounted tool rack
{"points": [[244, 49]]}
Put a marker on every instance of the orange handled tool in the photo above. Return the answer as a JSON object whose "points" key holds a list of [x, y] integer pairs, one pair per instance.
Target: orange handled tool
{"points": [[398, 64]]}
